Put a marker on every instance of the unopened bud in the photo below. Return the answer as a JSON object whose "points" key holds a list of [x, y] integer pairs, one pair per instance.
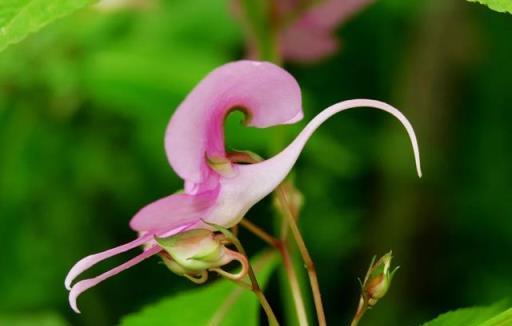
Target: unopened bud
{"points": [[375, 285], [193, 253], [378, 279]]}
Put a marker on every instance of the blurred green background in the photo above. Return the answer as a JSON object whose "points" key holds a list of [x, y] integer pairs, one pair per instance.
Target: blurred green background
{"points": [[83, 108]]}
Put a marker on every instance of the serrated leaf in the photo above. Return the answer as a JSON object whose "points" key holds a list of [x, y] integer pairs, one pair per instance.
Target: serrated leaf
{"points": [[473, 316], [497, 5], [219, 303], [18, 18]]}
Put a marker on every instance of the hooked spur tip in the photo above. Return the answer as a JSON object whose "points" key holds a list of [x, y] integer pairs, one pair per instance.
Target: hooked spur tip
{"points": [[418, 163], [73, 304]]}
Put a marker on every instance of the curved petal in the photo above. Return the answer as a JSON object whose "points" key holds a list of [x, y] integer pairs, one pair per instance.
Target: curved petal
{"points": [[91, 260], [173, 211], [268, 94], [255, 181], [83, 285]]}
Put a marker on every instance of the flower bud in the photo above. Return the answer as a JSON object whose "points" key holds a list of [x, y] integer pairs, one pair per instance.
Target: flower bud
{"points": [[195, 252], [375, 285], [378, 279]]}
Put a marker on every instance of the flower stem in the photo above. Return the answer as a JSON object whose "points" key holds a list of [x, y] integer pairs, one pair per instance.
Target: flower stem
{"points": [[260, 27], [288, 266], [272, 320], [308, 261], [361, 309], [219, 316]]}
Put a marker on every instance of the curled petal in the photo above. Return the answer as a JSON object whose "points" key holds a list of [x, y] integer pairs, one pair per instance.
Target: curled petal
{"points": [[173, 211], [91, 260], [82, 286], [265, 92], [255, 181]]}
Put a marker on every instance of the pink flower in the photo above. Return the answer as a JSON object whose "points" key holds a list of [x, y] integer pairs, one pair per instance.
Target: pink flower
{"points": [[311, 36], [216, 189], [304, 31]]}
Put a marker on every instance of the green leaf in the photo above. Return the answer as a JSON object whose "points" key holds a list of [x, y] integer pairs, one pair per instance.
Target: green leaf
{"points": [[493, 315], [503, 319], [18, 18], [221, 301], [497, 5]]}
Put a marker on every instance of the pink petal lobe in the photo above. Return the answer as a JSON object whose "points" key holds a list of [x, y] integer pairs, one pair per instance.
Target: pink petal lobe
{"points": [[82, 286], [267, 93], [91, 260], [255, 181], [174, 211], [302, 43]]}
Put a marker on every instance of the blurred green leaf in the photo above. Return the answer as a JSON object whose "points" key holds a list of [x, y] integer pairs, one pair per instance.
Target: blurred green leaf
{"points": [[327, 152], [493, 315], [40, 319], [497, 5], [503, 319], [18, 18], [222, 301]]}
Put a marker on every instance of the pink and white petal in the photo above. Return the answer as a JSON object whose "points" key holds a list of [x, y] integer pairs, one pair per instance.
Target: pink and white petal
{"points": [[255, 181], [173, 211], [91, 260], [83, 285], [267, 93]]}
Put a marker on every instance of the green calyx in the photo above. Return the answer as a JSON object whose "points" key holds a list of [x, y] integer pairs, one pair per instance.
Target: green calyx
{"points": [[378, 279], [194, 253], [194, 250]]}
